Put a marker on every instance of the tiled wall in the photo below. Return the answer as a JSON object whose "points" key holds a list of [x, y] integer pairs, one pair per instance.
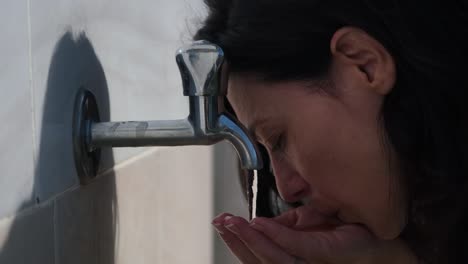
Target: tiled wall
{"points": [[149, 205]]}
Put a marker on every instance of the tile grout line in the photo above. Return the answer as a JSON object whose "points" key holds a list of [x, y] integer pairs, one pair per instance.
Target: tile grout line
{"points": [[213, 171], [54, 219], [160, 222], [24, 213], [31, 86], [130, 160]]}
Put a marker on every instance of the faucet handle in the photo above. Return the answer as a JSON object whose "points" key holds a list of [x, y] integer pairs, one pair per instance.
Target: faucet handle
{"points": [[202, 70]]}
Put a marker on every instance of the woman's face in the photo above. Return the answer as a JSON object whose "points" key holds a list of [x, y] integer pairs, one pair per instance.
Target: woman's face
{"points": [[327, 151]]}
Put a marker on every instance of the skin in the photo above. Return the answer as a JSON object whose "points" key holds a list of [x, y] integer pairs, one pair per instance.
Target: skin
{"points": [[329, 151]]}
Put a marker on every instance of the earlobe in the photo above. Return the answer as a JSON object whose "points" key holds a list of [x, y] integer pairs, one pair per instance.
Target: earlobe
{"points": [[355, 48]]}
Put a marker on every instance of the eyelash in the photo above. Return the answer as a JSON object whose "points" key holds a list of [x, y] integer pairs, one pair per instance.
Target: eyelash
{"points": [[278, 143]]}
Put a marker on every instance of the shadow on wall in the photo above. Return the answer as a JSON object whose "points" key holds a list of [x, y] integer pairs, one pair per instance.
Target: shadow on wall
{"points": [[84, 220]]}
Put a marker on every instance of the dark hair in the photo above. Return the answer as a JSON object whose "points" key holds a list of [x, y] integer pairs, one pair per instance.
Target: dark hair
{"points": [[425, 115]]}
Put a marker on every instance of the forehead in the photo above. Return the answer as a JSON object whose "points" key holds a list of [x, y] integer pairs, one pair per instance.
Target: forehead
{"points": [[241, 89], [244, 94], [253, 99]]}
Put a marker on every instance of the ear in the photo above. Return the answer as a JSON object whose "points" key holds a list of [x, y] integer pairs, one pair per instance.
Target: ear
{"points": [[369, 59]]}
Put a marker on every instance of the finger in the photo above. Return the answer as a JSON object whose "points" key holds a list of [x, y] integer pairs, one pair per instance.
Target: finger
{"points": [[281, 235], [305, 218], [294, 242], [235, 245], [262, 247], [288, 218]]}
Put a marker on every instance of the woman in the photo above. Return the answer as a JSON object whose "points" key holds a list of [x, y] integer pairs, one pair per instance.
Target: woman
{"points": [[361, 108]]}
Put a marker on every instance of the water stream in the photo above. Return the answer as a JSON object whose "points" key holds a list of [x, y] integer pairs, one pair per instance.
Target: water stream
{"points": [[254, 192]]}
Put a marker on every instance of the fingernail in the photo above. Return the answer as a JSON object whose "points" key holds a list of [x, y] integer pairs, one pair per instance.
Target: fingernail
{"points": [[219, 219], [220, 216], [257, 226], [216, 221], [233, 228], [218, 228]]}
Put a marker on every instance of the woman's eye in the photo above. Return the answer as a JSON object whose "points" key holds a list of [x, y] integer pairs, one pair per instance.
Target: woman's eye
{"points": [[278, 144]]}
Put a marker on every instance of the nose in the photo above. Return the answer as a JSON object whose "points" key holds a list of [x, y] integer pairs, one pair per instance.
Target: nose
{"points": [[292, 187]]}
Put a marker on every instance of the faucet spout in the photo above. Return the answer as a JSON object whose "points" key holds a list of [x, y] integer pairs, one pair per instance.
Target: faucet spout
{"points": [[244, 145]]}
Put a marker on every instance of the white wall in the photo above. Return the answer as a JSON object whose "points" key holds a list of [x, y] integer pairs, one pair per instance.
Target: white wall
{"points": [[149, 205]]}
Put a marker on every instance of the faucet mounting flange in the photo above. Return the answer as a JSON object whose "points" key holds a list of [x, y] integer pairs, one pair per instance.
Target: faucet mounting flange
{"points": [[85, 113]]}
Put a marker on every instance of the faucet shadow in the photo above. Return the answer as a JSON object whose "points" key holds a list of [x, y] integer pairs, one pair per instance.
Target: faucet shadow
{"points": [[84, 218]]}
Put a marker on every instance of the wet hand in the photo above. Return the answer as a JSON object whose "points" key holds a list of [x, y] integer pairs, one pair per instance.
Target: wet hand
{"points": [[303, 236]]}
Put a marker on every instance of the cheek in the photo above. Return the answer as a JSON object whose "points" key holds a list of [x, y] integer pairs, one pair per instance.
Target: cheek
{"points": [[282, 167], [347, 164]]}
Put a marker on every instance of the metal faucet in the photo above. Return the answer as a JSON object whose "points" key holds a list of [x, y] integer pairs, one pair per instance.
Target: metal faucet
{"points": [[204, 80]]}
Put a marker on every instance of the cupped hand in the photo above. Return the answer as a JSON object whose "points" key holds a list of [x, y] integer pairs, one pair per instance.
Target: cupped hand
{"points": [[300, 235]]}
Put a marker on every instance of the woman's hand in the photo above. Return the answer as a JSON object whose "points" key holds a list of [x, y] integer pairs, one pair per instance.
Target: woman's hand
{"points": [[302, 235]]}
